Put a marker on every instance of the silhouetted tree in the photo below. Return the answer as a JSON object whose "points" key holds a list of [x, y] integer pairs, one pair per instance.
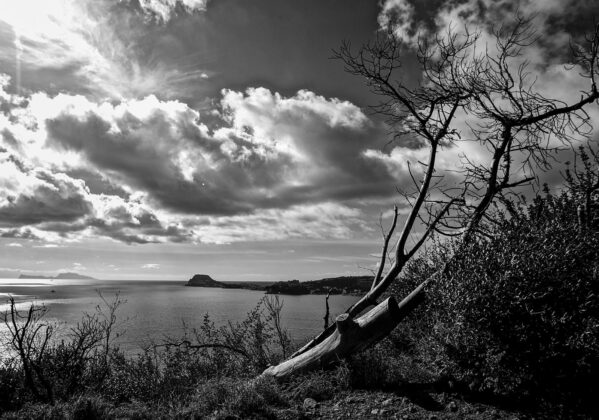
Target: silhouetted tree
{"points": [[491, 90]]}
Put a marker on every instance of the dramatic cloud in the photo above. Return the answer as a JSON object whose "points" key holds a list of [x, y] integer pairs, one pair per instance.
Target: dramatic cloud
{"points": [[191, 122], [102, 48], [32, 196], [410, 19], [547, 60], [63, 206], [165, 8], [105, 157], [324, 138], [42, 196], [147, 170], [272, 152]]}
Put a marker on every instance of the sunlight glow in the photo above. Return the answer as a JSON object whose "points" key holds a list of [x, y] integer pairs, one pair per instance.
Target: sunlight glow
{"points": [[31, 17], [79, 35], [33, 20], [51, 33]]}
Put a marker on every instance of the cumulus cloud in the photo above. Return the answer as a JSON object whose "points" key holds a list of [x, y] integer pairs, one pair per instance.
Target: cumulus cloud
{"points": [[148, 170], [50, 194], [154, 146], [547, 61], [32, 196], [151, 266], [324, 139], [399, 15], [164, 9], [271, 152], [410, 19]]}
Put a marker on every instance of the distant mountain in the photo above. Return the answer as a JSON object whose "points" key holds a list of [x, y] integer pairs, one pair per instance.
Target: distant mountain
{"points": [[60, 276], [73, 276]]}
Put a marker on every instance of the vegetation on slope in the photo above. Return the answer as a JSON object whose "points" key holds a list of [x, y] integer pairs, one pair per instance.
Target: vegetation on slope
{"points": [[516, 315]]}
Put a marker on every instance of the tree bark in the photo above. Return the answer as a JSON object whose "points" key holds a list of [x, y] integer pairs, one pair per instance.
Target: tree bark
{"points": [[350, 336]]}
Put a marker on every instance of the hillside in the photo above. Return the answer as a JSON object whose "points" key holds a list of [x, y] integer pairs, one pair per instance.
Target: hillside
{"points": [[73, 276], [334, 285]]}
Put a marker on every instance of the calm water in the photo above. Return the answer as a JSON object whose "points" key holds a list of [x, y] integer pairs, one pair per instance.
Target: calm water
{"points": [[155, 309]]}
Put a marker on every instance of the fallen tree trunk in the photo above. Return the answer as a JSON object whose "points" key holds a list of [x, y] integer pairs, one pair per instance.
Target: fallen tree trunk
{"points": [[350, 336], [356, 309]]}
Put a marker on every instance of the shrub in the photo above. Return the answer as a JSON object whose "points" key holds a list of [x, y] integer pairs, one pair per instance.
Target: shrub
{"points": [[90, 408], [53, 363], [253, 400], [384, 366], [132, 379], [518, 313], [320, 385], [11, 385], [38, 412]]}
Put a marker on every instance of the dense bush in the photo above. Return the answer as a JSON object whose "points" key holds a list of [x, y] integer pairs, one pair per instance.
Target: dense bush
{"points": [[517, 312], [11, 388]]}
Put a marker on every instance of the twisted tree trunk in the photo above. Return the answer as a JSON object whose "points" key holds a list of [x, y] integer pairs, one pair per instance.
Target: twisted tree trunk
{"points": [[350, 335]]}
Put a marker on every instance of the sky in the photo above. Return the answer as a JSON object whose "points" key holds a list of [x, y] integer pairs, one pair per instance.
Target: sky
{"points": [[155, 139]]}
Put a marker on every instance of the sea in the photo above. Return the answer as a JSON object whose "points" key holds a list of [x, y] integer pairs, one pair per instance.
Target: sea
{"points": [[154, 311]]}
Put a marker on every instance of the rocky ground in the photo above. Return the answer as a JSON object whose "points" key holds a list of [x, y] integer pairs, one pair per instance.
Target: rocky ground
{"points": [[391, 405]]}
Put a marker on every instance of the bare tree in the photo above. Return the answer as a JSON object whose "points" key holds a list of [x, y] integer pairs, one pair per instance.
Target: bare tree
{"points": [[491, 90], [273, 305], [30, 337]]}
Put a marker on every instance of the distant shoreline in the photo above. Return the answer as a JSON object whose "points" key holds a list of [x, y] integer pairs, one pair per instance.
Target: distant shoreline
{"points": [[348, 285]]}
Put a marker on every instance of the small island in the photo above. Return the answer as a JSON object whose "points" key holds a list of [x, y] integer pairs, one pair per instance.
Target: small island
{"points": [[333, 285]]}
